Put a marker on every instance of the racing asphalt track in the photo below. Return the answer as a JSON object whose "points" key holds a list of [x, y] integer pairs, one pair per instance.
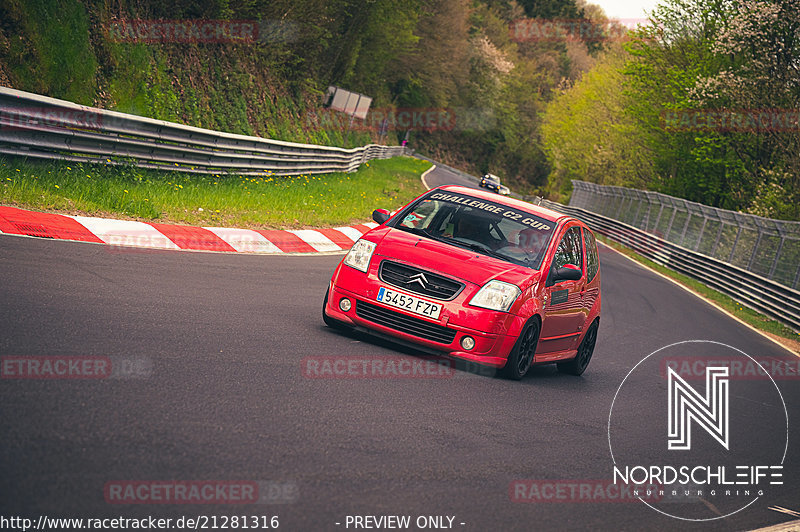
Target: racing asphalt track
{"points": [[225, 397]]}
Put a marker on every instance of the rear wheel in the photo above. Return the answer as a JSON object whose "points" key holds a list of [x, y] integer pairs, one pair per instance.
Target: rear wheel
{"points": [[578, 365], [521, 356], [330, 322]]}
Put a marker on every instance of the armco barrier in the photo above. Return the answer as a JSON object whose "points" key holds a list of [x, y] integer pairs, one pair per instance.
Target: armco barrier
{"points": [[46, 128], [767, 247], [773, 299]]}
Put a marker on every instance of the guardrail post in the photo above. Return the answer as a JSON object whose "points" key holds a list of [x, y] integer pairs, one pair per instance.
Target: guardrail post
{"points": [[719, 236], [671, 219], [777, 255], [796, 277], [685, 226], [649, 214], [658, 218], [753, 254], [735, 242], [636, 216], [702, 230]]}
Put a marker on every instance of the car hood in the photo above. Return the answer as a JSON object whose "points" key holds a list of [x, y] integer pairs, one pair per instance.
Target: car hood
{"points": [[448, 260]]}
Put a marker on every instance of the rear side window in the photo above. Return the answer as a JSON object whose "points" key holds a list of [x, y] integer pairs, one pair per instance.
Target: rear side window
{"points": [[592, 260]]}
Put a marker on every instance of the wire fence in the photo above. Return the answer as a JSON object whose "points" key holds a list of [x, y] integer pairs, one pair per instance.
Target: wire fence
{"points": [[766, 247]]}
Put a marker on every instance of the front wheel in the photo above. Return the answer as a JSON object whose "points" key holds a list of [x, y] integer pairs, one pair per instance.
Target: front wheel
{"points": [[521, 356], [578, 365]]}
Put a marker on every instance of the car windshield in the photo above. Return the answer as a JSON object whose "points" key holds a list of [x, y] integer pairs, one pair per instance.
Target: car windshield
{"points": [[483, 226], [492, 178]]}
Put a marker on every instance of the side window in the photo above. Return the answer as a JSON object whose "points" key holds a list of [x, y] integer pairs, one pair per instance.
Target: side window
{"points": [[570, 249], [592, 260], [421, 216]]}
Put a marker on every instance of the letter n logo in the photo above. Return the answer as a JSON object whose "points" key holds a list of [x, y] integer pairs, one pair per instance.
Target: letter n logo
{"points": [[686, 405]]}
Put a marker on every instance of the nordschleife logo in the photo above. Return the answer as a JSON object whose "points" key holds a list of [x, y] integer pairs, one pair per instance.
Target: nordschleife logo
{"points": [[685, 405], [697, 446]]}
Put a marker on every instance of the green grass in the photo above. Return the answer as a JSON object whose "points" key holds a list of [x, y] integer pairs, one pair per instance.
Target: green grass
{"points": [[746, 314], [216, 200]]}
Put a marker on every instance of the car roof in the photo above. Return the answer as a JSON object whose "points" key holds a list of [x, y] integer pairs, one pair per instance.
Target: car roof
{"points": [[543, 212]]}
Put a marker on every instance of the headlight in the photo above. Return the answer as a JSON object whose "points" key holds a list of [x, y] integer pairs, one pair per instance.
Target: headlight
{"points": [[496, 295], [359, 255]]}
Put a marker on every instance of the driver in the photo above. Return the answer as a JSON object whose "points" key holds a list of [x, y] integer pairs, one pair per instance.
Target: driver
{"points": [[470, 227]]}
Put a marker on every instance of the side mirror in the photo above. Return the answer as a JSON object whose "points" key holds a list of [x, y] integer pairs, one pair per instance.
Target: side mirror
{"points": [[380, 215], [568, 272]]}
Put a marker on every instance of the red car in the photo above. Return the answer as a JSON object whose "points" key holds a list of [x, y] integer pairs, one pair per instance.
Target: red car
{"points": [[476, 276]]}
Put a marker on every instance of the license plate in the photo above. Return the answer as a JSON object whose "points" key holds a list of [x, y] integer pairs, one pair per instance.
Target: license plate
{"points": [[409, 303]]}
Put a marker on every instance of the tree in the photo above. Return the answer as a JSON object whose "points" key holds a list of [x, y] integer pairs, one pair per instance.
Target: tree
{"points": [[761, 46], [588, 135]]}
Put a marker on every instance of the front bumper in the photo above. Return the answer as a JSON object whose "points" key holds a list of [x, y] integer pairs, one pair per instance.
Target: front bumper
{"points": [[494, 332]]}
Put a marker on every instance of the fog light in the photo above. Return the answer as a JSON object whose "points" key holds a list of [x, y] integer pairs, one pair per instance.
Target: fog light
{"points": [[467, 342], [344, 304]]}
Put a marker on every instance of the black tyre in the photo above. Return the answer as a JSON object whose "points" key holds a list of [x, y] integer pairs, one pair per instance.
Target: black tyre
{"points": [[330, 322], [521, 356], [578, 365]]}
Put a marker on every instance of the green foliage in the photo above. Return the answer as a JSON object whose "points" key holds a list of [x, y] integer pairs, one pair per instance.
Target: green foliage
{"points": [[618, 124], [589, 136], [49, 51], [700, 165]]}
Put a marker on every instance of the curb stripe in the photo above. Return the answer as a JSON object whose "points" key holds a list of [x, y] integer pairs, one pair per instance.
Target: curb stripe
{"points": [[350, 232], [286, 241], [197, 238], [245, 240], [20, 222], [178, 237], [338, 237], [316, 240], [126, 233]]}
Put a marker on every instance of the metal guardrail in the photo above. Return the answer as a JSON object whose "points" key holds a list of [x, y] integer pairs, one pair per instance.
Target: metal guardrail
{"points": [[41, 127], [769, 297], [767, 247]]}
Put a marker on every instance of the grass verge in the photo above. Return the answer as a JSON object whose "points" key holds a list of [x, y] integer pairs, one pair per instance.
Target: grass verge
{"points": [[773, 328], [214, 200]]}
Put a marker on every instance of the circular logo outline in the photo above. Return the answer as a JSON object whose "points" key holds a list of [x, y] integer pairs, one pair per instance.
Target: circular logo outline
{"points": [[611, 411]]}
